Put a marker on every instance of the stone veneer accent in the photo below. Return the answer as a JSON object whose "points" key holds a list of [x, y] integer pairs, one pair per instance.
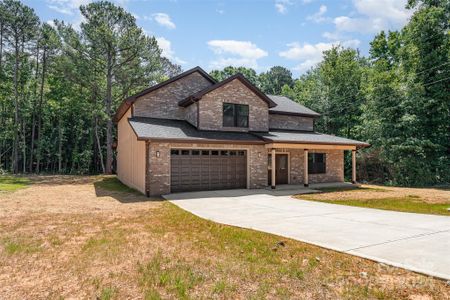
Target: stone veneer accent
{"points": [[278, 121], [334, 168], [158, 177], [163, 102], [211, 107]]}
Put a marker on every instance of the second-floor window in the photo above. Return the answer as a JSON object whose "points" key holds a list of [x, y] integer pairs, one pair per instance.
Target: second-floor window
{"points": [[235, 115]]}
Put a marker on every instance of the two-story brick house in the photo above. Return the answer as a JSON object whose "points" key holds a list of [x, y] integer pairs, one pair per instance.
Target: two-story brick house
{"points": [[193, 133]]}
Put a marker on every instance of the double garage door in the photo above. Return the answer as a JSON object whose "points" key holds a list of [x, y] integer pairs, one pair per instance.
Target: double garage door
{"points": [[201, 170]]}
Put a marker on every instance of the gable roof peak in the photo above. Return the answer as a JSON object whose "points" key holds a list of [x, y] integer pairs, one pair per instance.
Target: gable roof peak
{"points": [[239, 76], [130, 100]]}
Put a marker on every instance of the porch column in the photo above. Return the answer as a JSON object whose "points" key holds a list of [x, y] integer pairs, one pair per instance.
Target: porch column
{"points": [[353, 166], [273, 168], [305, 168]]}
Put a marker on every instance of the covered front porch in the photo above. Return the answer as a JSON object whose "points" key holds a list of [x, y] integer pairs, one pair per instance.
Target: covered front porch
{"points": [[306, 157], [300, 164]]}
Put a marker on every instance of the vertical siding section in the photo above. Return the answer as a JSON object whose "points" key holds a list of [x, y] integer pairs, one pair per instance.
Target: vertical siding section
{"points": [[130, 156]]}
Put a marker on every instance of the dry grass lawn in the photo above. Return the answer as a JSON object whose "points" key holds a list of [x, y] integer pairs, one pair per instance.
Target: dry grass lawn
{"points": [[88, 237], [417, 200]]}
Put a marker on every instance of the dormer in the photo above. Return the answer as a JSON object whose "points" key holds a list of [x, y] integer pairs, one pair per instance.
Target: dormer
{"points": [[233, 104]]}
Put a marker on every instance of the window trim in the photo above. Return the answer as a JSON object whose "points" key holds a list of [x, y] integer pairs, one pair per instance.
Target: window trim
{"points": [[236, 115]]}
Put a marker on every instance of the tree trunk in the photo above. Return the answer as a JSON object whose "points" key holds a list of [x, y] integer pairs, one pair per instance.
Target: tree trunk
{"points": [[39, 113], [59, 143], [1, 47], [33, 124], [97, 139], [24, 153], [109, 125], [15, 156]]}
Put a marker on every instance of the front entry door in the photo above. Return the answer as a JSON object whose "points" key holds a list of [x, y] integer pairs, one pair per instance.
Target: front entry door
{"points": [[281, 169], [281, 173]]}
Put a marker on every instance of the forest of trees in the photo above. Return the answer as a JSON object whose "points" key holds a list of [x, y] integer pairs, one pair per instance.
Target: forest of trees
{"points": [[60, 86], [397, 99]]}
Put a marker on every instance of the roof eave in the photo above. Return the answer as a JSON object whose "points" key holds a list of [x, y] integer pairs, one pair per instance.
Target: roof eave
{"points": [[207, 141], [288, 113]]}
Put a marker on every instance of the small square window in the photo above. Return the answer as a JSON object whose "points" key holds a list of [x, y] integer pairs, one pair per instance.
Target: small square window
{"points": [[225, 153], [174, 152], [205, 152], [185, 152], [214, 152], [195, 152], [241, 153], [235, 115], [233, 153]]}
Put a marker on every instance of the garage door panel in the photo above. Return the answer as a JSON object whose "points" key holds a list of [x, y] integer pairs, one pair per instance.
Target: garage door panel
{"points": [[197, 169]]}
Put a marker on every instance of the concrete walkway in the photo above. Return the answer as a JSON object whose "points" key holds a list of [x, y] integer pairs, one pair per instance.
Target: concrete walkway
{"points": [[416, 242]]}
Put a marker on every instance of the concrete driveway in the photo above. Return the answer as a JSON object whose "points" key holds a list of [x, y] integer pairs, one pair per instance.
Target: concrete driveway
{"points": [[416, 242]]}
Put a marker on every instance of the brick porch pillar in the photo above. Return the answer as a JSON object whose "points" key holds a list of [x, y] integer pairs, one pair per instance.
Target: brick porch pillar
{"points": [[273, 185]]}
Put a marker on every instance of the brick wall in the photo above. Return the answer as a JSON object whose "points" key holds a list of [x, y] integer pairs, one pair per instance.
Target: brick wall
{"points": [[277, 121], [334, 166], [191, 113], [211, 108], [159, 167], [163, 102]]}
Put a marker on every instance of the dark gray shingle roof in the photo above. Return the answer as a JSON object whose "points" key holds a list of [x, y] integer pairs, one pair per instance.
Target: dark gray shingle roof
{"points": [[288, 106], [307, 137], [152, 128]]}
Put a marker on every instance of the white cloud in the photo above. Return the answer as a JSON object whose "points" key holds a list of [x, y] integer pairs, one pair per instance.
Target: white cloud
{"points": [[308, 55], [318, 17], [374, 15], [164, 20], [167, 51], [282, 5], [332, 36], [67, 7], [235, 53]]}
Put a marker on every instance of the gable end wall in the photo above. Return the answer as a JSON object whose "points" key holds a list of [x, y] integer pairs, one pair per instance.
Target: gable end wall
{"points": [[211, 108], [163, 102]]}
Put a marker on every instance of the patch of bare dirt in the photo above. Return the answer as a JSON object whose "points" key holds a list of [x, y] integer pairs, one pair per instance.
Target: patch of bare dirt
{"points": [[69, 194]]}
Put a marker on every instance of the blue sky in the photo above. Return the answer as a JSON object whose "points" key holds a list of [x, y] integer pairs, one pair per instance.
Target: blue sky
{"points": [[257, 34]]}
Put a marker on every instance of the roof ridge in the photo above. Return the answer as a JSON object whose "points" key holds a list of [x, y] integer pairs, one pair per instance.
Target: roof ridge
{"points": [[198, 95]]}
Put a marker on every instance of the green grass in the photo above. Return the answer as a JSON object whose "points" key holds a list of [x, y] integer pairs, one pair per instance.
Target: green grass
{"points": [[350, 188], [12, 183], [107, 293], [113, 184], [172, 274], [106, 244], [411, 204], [17, 246]]}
